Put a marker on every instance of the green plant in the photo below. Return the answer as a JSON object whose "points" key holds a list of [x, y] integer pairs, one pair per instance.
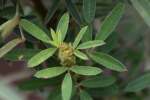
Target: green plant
{"points": [[72, 64]]}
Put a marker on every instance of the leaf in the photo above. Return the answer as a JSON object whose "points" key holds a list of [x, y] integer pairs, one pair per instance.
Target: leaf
{"points": [[110, 22], [7, 27], [35, 83], [41, 57], [54, 35], [107, 61], [91, 44], [55, 95], [98, 81], [111, 43], [139, 84], [86, 70], [66, 87], [84, 95], [62, 26], [112, 90], [34, 30], [21, 54], [88, 34], [7, 12], [143, 6], [89, 8], [9, 46], [59, 36], [73, 11], [50, 72], [52, 10], [81, 55], [79, 36]]}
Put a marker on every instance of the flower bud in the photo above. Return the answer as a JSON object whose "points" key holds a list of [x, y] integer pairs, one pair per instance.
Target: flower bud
{"points": [[66, 55]]}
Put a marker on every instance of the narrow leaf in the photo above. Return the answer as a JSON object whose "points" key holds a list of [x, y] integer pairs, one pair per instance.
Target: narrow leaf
{"points": [[54, 38], [9, 46], [52, 10], [21, 54], [59, 37], [143, 6], [54, 35], [91, 44], [105, 91], [81, 55], [66, 87], [73, 11], [7, 27], [107, 61], [89, 7], [84, 95], [55, 94], [139, 83], [36, 83], [79, 36], [98, 81], [50, 72], [63, 26], [88, 34], [41, 57], [86, 70], [110, 22], [34, 30]]}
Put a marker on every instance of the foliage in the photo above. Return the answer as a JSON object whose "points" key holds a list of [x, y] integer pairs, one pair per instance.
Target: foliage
{"points": [[73, 64]]}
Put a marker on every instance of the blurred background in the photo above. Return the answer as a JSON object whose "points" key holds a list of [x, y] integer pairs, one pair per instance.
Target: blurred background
{"points": [[130, 43]]}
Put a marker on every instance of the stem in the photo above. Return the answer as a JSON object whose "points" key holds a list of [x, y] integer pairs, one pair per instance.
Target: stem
{"points": [[17, 8], [21, 32]]}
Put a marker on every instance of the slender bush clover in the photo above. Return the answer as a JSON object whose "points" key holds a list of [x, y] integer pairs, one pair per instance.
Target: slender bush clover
{"points": [[68, 53], [78, 65]]}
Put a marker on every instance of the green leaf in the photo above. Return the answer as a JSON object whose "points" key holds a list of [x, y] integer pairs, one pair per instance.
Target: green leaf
{"points": [[62, 26], [36, 83], [21, 54], [7, 12], [89, 7], [110, 22], [79, 36], [143, 6], [139, 83], [111, 43], [107, 61], [112, 90], [52, 10], [54, 35], [41, 57], [66, 87], [7, 27], [86, 70], [73, 11], [91, 44], [50, 72], [81, 55], [9, 46], [84, 95], [88, 34], [55, 94], [59, 36], [98, 81], [34, 30]]}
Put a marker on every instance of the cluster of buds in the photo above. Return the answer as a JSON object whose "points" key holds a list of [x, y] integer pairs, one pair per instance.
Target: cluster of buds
{"points": [[66, 54]]}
